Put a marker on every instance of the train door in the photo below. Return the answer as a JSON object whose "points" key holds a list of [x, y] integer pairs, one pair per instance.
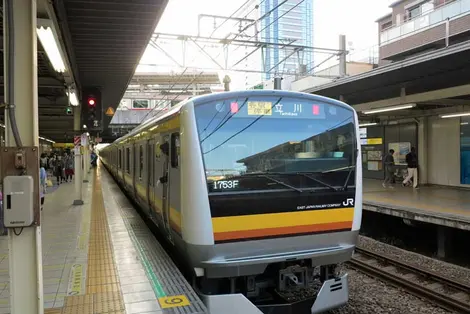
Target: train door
{"points": [[165, 182]]}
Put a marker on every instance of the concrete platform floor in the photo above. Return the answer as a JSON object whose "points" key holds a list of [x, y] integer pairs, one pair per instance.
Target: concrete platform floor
{"points": [[91, 265], [431, 201]]}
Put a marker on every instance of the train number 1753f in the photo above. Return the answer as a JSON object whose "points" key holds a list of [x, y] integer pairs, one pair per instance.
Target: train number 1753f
{"points": [[223, 185]]}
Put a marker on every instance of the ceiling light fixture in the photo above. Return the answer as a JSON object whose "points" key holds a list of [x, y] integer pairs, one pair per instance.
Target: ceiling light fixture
{"points": [[46, 139], [386, 109], [455, 115], [48, 39], [367, 124], [73, 100]]}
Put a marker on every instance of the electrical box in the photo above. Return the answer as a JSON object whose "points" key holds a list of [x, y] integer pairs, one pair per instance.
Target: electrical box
{"points": [[18, 203]]}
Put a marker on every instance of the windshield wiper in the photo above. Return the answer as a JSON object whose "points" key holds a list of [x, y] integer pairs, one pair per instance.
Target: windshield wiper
{"points": [[259, 175], [345, 184], [280, 182], [352, 167], [302, 174], [319, 181], [309, 177]]}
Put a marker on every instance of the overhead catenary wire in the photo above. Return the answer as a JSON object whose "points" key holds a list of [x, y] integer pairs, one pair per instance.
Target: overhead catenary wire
{"points": [[238, 34], [247, 14], [228, 18], [246, 127], [223, 121], [181, 75], [260, 19], [274, 21]]}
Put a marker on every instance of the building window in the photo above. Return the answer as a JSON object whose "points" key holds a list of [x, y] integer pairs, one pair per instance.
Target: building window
{"points": [[386, 25], [140, 104], [414, 12]]}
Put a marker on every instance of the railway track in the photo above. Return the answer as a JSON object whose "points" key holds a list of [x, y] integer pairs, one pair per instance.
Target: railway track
{"points": [[444, 292]]}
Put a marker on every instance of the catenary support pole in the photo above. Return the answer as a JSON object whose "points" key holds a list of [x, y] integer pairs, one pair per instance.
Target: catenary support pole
{"points": [[278, 82], [342, 56], [25, 251]]}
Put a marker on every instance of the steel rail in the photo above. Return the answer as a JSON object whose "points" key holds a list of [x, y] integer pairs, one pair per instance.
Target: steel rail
{"points": [[399, 279]]}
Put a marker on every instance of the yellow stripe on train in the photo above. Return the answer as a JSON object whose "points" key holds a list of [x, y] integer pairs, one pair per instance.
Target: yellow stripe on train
{"points": [[279, 220]]}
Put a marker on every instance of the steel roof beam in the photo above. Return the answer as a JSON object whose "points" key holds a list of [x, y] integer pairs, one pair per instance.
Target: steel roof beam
{"points": [[455, 91], [448, 51]]}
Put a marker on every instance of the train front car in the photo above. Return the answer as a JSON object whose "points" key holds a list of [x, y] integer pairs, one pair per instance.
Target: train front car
{"points": [[284, 187]]}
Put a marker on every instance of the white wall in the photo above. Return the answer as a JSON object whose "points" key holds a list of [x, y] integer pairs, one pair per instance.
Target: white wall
{"points": [[443, 155], [308, 82], [352, 68]]}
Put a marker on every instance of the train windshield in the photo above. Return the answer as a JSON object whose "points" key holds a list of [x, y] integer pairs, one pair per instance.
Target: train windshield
{"points": [[258, 143]]}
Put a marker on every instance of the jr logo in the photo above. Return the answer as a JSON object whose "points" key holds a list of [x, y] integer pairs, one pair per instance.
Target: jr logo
{"points": [[348, 202]]}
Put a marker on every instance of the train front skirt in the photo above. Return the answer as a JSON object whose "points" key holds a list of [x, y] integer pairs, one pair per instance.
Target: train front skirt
{"points": [[333, 294]]}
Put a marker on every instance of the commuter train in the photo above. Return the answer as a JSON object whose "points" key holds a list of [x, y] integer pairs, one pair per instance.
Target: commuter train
{"points": [[259, 191]]}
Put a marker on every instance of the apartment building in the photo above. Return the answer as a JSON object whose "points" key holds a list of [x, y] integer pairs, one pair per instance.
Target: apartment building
{"points": [[417, 26]]}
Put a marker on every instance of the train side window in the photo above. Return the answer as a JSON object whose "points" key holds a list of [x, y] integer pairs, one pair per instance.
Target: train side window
{"points": [[128, 160], [157, 151], [120, 159], [150, 162], [175, 150], [141, 161]]}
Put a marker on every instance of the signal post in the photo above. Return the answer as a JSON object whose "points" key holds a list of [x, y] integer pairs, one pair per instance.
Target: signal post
{"points": [[92, 121]]}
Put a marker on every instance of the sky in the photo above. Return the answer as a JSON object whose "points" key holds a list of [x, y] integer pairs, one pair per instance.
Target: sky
{"points": [[355, 19]]}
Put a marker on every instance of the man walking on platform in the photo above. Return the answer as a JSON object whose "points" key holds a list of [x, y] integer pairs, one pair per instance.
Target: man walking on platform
{"points": [[412, 161], [389, 164]]}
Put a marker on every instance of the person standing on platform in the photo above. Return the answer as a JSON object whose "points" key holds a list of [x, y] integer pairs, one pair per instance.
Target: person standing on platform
{"points": [[389, 163], [59, 169], [69, 167], [43, 160], [93, 159], [412, 161]]}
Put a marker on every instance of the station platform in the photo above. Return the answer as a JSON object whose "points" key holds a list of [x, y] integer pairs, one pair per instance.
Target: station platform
{"points": [[444, 206], [101, 257]]}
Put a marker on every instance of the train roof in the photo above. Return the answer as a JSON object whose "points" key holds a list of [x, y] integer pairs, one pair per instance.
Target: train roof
{"points": [[280, 93], [198, 100]]}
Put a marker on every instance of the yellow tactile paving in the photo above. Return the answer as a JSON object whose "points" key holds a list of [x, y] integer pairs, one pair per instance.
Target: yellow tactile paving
{"points": [[103, 293]]}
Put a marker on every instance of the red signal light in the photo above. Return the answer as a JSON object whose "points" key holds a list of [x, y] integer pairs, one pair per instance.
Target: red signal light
{"points": [[91, 102]]}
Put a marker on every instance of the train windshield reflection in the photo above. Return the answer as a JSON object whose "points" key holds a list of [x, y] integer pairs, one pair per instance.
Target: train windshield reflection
{"points": [[281, 136]]}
